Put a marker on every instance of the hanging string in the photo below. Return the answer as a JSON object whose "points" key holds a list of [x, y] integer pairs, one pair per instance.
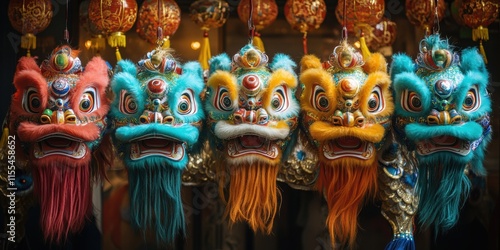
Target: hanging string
{"points": [[344, 28], [159, 31], [66, 31], [436, 27], [251, 27]]}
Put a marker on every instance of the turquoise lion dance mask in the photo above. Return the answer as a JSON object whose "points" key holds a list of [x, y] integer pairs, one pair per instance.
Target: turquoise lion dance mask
{"points": [[157, 116], [442, 112]]}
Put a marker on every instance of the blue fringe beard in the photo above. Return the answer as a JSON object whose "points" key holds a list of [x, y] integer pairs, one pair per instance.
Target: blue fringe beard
{"points": [[155, 199], [443, 188]]}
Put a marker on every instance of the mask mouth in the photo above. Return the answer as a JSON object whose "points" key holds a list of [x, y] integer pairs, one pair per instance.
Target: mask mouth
{"points": [[60, 144], [348, 146], [157, 145], [252, 145], [444, 143]]}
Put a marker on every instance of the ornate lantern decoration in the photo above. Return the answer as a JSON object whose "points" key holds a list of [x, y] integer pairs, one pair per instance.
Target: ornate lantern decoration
{"points": [[208, 14], [478, 15], [97, 40], [164, 14], [356, 15], [114, 18], [380, 35], [305, 16], [264, 12], [423, 14], [29, 17]]}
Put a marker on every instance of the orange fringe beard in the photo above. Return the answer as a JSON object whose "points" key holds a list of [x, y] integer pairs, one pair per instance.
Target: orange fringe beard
{"points": [[253, 195], [346, 187]]}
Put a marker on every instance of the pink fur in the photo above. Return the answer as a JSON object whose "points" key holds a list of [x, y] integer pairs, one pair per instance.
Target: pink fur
{"points": [[95, 75], [27, 63], [31, 132], [63, 188]]}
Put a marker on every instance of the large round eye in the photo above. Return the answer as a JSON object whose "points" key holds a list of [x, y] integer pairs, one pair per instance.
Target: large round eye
{"points": [[376, 101], [23, 182], [223, 100], [128, 104], [88, 102], [320, 100], [32, 102], [279, 101], [411, 101], [472, 100], [186, 104]]}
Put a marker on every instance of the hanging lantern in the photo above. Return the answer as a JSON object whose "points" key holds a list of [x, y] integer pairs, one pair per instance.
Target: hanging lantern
{"points": [[382, 34], [454, 7], [29, 17], [478, 15], [97, 41], [305, 16], [359, 12], [423, 13], [114, 18], [208, 14], [264, 12], [149, 20]]}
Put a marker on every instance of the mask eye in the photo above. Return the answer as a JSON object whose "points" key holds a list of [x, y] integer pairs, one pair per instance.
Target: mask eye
{"points": [[320, 100], [128, 104], [32, 101], [222, 100], [472, 100], [23, 182], [186, 104], [376, 101], [411, 101], [279, 101], [88, 102]]}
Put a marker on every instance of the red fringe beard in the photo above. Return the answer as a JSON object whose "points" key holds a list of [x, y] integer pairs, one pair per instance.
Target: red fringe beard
{"points": [[253, 195], [346, 187], [63, 187]]}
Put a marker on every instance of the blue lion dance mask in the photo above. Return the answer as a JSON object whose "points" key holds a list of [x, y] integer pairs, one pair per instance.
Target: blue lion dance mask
{"points": [[157, 116], [252, 113], [442, 112]]}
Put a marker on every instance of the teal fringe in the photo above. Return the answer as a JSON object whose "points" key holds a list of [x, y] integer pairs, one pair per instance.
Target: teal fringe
{"points": [[443, 188], [155, 201]]}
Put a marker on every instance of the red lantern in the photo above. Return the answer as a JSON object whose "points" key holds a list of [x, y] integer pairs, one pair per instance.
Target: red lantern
{"points": [[423, 13], [114, 18], [208, 14], [97, 41], [304, 16], [148, 22], [29, 17], [264, 12], [380, 35], [359, 12], [478, 15]]}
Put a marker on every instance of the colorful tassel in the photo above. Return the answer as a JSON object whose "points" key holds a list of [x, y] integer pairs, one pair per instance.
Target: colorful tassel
{"points": [[28, 41], [3, 139], [483, 53], [364, 48], [401, 242], [205, 53], [480, 33], [258, 43]]}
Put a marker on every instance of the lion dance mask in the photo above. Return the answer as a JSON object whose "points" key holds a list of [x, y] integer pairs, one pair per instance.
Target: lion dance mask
{"points": [[157, 116], [346, 108], [252, 113], [58, 112], [442, 112]]}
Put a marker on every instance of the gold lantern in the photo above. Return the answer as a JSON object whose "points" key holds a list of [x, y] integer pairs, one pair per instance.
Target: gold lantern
{"points": [[164, 14], [305, 16], [478, 15], [114, 18], [29, 17], [208, 14]]}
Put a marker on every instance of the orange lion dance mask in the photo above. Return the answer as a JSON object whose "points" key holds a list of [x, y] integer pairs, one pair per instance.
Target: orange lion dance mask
{"points": [[346, 107]]}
